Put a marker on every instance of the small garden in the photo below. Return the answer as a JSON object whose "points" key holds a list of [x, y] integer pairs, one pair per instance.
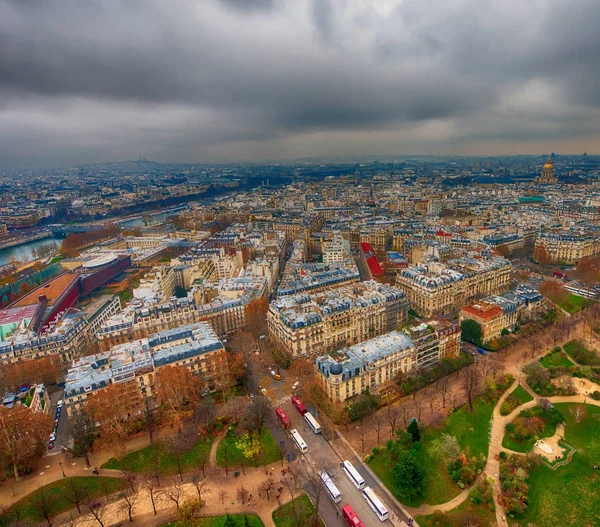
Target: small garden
{"points": [[299, 511], [568, 495], [433, 465], [574, 303], [514, 478], [247, 448], [530, 425], [581, 355], [58, 497], [477, 511], [517, 397], [556, 359]]}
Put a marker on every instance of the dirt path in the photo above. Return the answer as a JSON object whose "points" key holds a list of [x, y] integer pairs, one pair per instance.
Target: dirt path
{"points": [[212, 460]]}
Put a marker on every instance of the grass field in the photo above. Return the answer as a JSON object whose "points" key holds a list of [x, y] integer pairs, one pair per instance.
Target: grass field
{"points": [[219, 521], [286, 517], [522, 395], [466, 513], [270, 452], [580, 354], [470, 429], [143, 460], [574, 303], [57, 493], [569, 495], [556, 360]]}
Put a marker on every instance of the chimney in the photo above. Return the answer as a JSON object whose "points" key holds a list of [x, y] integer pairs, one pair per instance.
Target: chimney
{"points": [[42, 298]]}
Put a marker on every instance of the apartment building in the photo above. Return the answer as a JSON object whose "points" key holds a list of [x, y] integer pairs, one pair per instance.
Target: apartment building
{"points": [[565, 248], [136, 363], [438, 289], [490, 317], [334, 250], [352, 370], [306, 324]]}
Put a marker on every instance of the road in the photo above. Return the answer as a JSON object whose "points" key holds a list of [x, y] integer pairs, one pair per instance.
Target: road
{"points": [[321, 454], [62, 433]]}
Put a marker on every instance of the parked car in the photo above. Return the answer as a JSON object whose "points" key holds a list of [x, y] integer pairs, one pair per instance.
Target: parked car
{"points": [[53, 436], [50, 445], [296, 385], [277, 377], [60, 404]]}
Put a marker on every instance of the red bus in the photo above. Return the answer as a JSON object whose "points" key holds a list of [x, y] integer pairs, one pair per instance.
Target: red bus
{"points": [[281, 415], [299, 405], [350, 516], [559, 274]]}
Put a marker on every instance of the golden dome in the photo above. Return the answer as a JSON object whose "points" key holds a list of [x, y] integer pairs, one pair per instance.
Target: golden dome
{"points": [[548, 164]]}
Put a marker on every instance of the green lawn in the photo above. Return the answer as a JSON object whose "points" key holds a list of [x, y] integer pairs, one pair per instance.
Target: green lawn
{"points": [[580, 354], [143, 460], [467, 513], [569, 495], [299, 508], [270, 452], [57, 494], [556, 360], [219, 521], [522, 395], [471, 431], [573, 303]]}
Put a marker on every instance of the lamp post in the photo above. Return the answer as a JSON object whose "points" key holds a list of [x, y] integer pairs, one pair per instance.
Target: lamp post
{"points": [[62, 469], [585, 398]]}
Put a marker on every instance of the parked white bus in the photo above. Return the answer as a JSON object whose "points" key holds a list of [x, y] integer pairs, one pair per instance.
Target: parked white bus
{"points": [[353, 474], [375, 504], [332, 490], [299, 441], [312, 422]]}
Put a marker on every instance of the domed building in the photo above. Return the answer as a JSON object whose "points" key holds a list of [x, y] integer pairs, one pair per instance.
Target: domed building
{"points": [[548, 176]]}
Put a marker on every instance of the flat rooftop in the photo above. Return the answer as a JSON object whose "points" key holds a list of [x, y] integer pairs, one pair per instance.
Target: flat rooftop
{"points": [[52, 290]]}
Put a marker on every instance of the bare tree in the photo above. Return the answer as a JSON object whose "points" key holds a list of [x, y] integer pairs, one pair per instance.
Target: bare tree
{"points": [[431, 401], [130, 478], [129, 500], [470, 380], [201, 486], [222, 495], [267, 486], [242, 493], [237, 409], [155, 464], [183, 441], [418, 408], [311, 475], [149, 417], [173, 493], [227, 451], [443, 389], [42, 502], [392, 415], [578, 412], [150, 485], [75, 492], [495, 367], [97, 509], [255, 414], [362, 434], [405, 414], [378, 422]]}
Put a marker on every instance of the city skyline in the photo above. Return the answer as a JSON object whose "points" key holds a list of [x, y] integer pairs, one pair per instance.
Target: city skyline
{"points": [[227, 81]]}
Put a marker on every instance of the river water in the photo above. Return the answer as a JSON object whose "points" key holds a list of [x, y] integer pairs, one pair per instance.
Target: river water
{"points": [[24, 250]]}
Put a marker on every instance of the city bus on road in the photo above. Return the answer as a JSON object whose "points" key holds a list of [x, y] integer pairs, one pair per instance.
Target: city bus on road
{"points": [[283, 418], [312, 422], [299, 405], [353, 474], [330, 487], [302, 446], [350, 516], [375, 504]]}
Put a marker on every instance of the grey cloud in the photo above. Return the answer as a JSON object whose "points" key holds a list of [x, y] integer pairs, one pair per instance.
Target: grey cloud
{"points": [[259, 75]]}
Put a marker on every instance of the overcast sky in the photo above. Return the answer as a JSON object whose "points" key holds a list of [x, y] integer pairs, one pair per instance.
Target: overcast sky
{"points": [[234, 80]]}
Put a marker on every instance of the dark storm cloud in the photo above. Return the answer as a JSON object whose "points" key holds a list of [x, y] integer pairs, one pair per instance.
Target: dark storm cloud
{"points": [[193, 79]]}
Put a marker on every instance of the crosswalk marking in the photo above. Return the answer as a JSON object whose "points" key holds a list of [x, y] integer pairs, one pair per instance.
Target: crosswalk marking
{"points": [[282, 400]]}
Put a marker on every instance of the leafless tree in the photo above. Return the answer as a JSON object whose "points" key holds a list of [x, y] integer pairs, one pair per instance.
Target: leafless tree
{"points": [[222, 495], [155, 464], [129, 500], [97, 509], [470, 381], [267, 486], [150, 485], [362, 434], [418, 408], [577, 412], [75, 492], [378, 422], [405, 414], [201, 486], [392, 415], [130, 478], [310, 474], [495, 367], [443, 389], [42, 502], [242, 494], [173, 493], [149, 417], [237, 409], [183, 441], [255, 413]]}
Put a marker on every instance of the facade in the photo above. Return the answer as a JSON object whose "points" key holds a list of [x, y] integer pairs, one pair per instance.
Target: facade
{"points": [[547, 176], [436, 289], [350, 371], [334, 250], [565, 248], [135, 363], [309, 324], [491, 318]]}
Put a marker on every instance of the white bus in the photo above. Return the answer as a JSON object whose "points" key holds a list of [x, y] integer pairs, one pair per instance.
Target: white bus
{"points": [[312, 422], [332, 490], [375, 504], [299, 441], [353, 474]]}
